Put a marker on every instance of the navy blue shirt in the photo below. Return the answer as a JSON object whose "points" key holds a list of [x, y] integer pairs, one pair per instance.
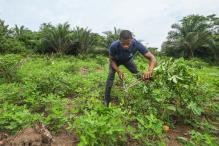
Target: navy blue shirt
{"points": [[122, 55]]}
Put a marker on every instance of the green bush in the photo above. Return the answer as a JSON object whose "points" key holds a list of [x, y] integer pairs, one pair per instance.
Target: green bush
{"points": [[149, 130], [55, 112], [200, 139], [173, 91], [13, 118], [9, 65], [11, 93], [14, 46], [101, 126], [47, 80]]}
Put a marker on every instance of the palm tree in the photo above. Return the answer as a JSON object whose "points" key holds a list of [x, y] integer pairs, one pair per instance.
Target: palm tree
{"points": [[26, 36], [4, 33], [19, 32], [57, 38], [84, 37], [192, 35], [111, 36]]}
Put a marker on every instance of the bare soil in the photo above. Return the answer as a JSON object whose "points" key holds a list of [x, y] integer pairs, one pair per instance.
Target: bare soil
{"points": [[39, 137], [172, 134]]}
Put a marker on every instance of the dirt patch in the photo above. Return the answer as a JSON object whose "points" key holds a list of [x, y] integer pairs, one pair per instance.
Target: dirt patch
{"points": [[40, 136], [172, 134], [28, 137], [84, 71], [99, 69], [64, 139], [3, 135]]}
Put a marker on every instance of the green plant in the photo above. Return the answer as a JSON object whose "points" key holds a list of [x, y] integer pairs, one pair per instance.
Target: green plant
{"points": [[55, 38], [149, 129], [13, 118], [9, 65], [193, 36], [186, 94], [101, 126], [83, 38], [197, 138], [173, 91], [111, 36], [11, 93], [55, 112]]}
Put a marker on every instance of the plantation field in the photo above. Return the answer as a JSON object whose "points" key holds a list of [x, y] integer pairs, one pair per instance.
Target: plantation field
{"points": [[177, 106]]}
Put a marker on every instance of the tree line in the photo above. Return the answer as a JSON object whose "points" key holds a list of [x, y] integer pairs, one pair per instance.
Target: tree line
{"points": [[193, 36]]}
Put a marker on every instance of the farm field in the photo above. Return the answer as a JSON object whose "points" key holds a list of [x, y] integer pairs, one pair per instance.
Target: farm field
{"points": [[62, 95]]}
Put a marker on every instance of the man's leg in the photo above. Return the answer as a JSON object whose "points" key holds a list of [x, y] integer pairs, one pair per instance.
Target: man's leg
{"points": [[130, 65], [109, 84]]}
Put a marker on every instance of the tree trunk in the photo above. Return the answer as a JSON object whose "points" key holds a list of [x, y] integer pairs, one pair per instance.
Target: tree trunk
{"points": [[191, 55]]}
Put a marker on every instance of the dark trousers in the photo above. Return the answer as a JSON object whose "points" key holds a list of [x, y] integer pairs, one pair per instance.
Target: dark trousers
{"points": [[130, 65]]}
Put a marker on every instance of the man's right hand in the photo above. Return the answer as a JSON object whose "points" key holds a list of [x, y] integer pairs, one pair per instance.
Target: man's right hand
{"points": [[121, 75]]}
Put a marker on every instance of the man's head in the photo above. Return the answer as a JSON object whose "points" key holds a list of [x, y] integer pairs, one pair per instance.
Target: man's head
{"points": [[125, 38]]}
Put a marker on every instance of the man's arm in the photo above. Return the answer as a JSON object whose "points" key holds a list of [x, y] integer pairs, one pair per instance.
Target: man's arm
{"points": [[152, 64], [115, 67]]}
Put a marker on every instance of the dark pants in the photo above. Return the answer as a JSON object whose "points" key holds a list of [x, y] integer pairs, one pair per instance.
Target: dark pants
{"points": [[129, 65]]}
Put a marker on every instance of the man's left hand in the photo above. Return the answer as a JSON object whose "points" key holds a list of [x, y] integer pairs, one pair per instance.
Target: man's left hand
{"points": [[147, 75]]}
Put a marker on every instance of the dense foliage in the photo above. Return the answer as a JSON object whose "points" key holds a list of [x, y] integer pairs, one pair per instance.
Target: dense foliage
{"points": [[66, 92], [194, 36]]}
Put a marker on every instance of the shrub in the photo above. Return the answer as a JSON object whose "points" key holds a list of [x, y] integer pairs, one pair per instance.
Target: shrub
{"points": [[101, 126]]}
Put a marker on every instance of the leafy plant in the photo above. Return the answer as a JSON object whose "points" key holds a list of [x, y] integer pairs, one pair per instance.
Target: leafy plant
{"points": [[198, 138], [111, 36], [55, 38], [149, 129], [84, 37], [14, 118], [9, 65], [55, 112], [101, 126]]}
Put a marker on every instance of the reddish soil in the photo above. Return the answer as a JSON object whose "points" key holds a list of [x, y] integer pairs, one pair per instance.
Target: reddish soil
{"points": [[99, 69], [172, 134], [84, 71], [38, 137]]}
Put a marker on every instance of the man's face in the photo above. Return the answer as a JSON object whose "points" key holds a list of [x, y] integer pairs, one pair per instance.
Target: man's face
{"points": [[125, 43]]}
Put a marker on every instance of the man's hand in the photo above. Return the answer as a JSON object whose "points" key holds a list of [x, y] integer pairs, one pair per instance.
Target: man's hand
{"points": [[116, 68], [121, 75], [147, 75], [152, 63]]}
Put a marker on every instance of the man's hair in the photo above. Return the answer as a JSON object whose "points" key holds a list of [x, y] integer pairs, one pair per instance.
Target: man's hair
{"points": [[125, 34]]}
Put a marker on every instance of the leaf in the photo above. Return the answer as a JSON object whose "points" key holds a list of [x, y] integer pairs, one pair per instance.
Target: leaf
{"points": [[195, 109], [174, 79], [171, 107], [182, 139]]}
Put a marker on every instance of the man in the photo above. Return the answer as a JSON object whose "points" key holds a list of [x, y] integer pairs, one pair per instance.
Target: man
{"points": [[121, 53]]}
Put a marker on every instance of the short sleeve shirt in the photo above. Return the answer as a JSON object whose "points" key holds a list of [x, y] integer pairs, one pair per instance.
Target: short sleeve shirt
{"points": [[122, 55]]}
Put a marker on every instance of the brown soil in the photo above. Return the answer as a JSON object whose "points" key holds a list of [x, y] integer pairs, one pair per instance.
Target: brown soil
{"points": [[172, 134], [27, 137], [39, 137], [84, 71], [3, 135], [99, 69], [63, 139]]}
